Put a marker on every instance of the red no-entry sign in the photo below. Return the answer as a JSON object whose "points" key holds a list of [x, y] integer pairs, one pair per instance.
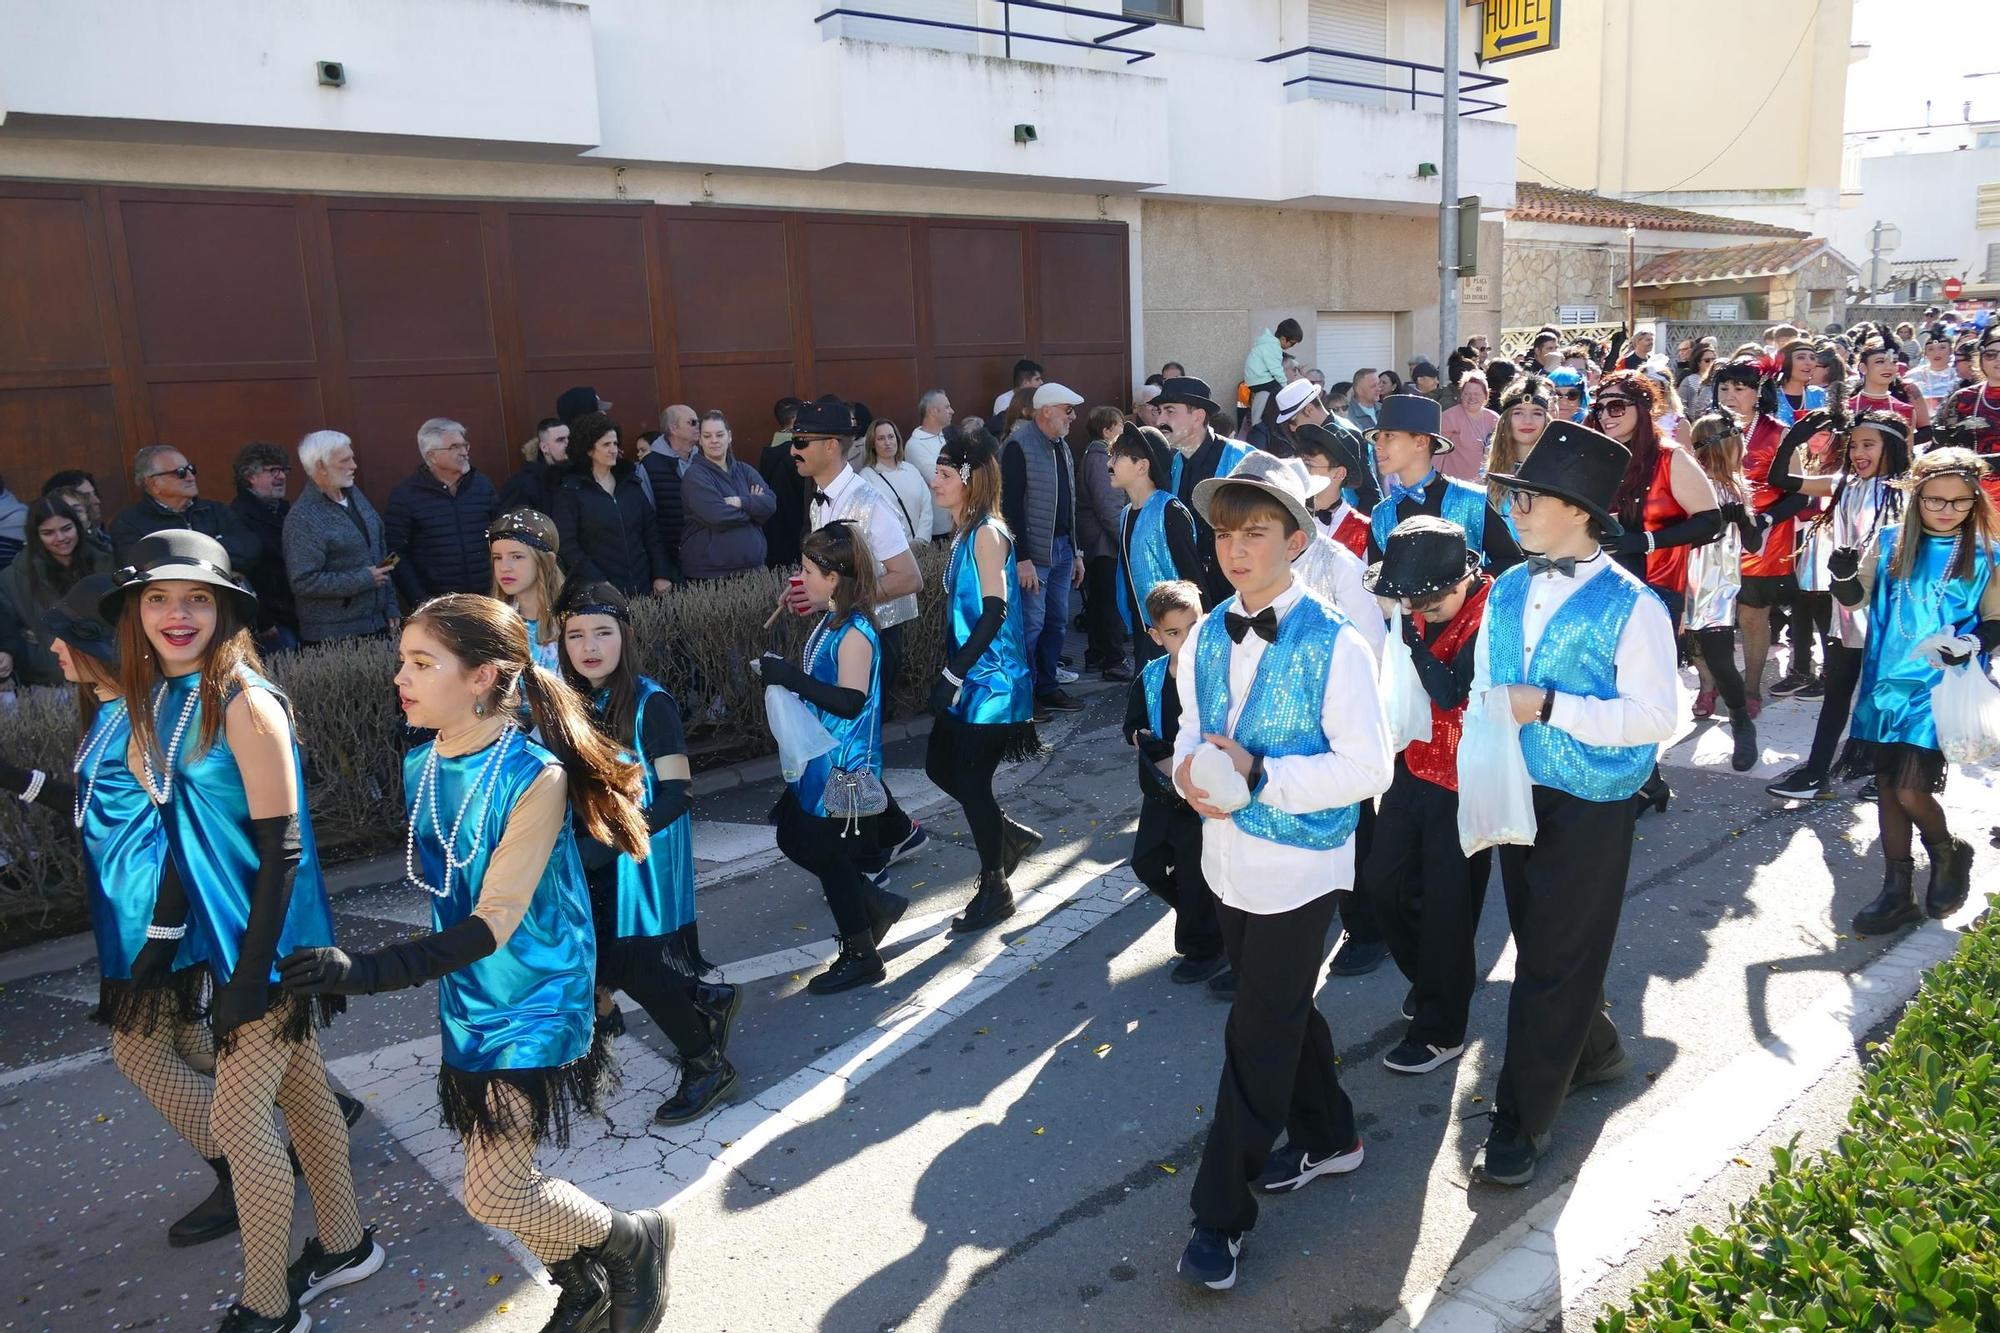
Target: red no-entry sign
{"points": [[1953, 288]]}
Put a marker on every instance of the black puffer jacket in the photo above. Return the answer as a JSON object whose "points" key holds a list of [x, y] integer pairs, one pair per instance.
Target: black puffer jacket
{"points": [[440, 534], [611, 536]]}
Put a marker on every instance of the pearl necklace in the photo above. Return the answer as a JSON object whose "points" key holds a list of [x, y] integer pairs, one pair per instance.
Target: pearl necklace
{"points": [[91, 751], [429, 779], [161, 793], [951, 559], [816, 639]]}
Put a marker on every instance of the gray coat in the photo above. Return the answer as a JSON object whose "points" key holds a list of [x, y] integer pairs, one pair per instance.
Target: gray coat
{"points": [[328, 561], [1097, 514]]}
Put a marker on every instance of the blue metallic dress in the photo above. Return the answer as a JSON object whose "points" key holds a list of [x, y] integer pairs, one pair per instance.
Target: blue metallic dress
{"points": [[857, 741], [654, 898], [1893, 705], [524, 1014], [996, 706], [207, 822], [544, 654], [124, 859]]}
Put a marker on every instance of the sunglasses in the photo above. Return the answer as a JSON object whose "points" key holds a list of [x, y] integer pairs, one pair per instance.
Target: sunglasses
{"points": [[1614, 407], [185, 472], [1570, 395], [798, 442]]}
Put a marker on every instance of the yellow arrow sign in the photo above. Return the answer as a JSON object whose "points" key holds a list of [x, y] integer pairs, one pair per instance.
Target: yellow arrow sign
{"points": [[1511, 28]]}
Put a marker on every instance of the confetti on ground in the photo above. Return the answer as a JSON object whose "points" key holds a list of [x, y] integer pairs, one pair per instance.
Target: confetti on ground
{"points": [[1041, 1130], [1103, 1050], [1170, 1168]]}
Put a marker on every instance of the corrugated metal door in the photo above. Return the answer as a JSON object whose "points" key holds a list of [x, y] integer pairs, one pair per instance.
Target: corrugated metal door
{"points": [[1360, 26], [1349, 340]]}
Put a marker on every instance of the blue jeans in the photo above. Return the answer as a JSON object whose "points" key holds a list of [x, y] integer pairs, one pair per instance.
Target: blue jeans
{"points": [[1045, 613]]}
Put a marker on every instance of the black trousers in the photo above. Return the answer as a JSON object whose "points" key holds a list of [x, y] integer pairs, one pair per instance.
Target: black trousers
{"points": [[961, 760], [1166, 856], [1106, 629], [1278, 1066], [1718, 653], [819, 846], [638, 966], [1843, 675], [1563, 899], [1357, 914], [1427, 896]]}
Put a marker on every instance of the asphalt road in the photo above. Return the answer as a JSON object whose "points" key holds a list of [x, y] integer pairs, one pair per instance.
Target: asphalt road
{"points": [[1003, 1134]]}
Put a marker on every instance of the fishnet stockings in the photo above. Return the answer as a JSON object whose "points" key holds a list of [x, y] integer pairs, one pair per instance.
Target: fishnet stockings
{"points": [[261, 1070], [503, 1189], [171, 1061]]}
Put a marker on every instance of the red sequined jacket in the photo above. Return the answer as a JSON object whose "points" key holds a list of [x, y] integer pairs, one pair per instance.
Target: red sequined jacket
{"points": [[1436, 760]]}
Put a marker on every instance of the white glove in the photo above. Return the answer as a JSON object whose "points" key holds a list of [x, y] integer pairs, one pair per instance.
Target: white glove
{"points": [[1211, 771], [1943, 650]]}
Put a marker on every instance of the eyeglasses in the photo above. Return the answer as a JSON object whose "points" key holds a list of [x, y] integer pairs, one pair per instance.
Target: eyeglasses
{"points": [[276, 469], [460, 448], [1520, 502], [1949, 504], [185, 472]]}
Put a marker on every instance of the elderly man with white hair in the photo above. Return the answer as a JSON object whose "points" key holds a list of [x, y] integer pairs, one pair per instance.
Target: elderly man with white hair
{"points": [[336, 550], [437, 516]]}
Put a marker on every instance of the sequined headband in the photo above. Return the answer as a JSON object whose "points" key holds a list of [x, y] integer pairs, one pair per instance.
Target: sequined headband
{"points": [[598, 609], [514, 532]]}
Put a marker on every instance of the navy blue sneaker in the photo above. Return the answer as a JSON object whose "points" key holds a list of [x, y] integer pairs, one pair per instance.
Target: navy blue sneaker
{"points": [[1292, 1168], [1210, 1258], [1510, 1154]]}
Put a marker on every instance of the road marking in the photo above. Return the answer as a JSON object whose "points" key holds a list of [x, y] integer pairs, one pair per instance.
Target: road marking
{"points": [[67, 1064]]}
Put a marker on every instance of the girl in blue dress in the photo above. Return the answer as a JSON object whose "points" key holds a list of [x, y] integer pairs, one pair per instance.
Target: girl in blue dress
{"points": [[1933, 601], [490, 845], [841, 681], [523, 546], [213, 747], [643, 908], [984, 702]]}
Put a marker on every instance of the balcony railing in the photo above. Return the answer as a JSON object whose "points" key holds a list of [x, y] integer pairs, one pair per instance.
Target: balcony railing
{"points": [[1007, 33], [1470, 82]]}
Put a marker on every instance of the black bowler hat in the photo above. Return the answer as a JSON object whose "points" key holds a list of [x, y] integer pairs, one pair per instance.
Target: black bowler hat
{"points": [[177, 555], [1187, 391], [1342, 444], [1424, 556], [580, 401], [826, 416], [1411, 412], [77, 621], [1576, 464]]}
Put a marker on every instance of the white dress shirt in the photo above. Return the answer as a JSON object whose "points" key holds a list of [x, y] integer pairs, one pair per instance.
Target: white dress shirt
{"points": [[1254, 874], [851, 497], [1334, 572], [1647, 663], [922, 450]]}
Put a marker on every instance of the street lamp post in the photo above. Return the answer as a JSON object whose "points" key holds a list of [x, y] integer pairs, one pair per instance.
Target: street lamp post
{"points": [[1448, 193]]}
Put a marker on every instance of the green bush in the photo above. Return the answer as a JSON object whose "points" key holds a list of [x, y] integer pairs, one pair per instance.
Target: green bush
{"points": [[1895, 1226], [697, 641]]}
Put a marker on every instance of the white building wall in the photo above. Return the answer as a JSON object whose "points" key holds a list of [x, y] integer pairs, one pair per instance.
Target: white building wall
{"points": [[1933, 198]]}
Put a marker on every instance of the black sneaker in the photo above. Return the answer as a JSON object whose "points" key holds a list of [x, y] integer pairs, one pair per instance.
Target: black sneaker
{"points": [[1607, 1070], [1223, 984], [315, 1272], [1411, 1056], [1509, 1155], [1188, 971], [1814, 688], [908, 845], [1790, 684], [240, 1320], [1870, 791], [1292, 1168], [1210, 1258], [1058, 701], [1801, 784], [1410, 1005], [1118, 671], [1356, 958]]}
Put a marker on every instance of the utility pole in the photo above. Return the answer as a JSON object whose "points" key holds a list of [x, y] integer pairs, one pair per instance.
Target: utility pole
{"points": [[1448, 193], [1631, 257], [1874, 282]]}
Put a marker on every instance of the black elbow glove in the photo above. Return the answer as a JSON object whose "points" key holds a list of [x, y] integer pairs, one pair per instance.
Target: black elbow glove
{"points": [[411, 963], [54, 793], [1989, 636], [163, 942], [828, 698], [1694, 530], [1790, 507], [992, 614], [672, 798], [1440, 682], [246, 997]]}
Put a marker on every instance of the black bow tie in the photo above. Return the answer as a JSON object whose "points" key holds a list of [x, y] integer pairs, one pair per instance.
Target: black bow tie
{"points": [[1265, 623], [819, 497], [1564, 565]]}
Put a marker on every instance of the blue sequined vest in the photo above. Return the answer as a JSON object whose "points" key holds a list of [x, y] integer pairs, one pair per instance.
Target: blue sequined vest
{"points": [[1148, 559], [1894, 699], [531, 1003], [999, 690], [1154, 676], [1577, 654], [656, 895], [124, 847], [857, 741], [1464, 504], [1280, 717], [207, 823]]}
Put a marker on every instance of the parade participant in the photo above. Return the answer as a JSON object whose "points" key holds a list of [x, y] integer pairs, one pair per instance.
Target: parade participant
{"points": [[1325, 566], [1277, 682], [1426, 892], [1793, 383], [528, 577], [1747, 389], [1933, 601], [1406, 441], [1570, 394], [1970, 416], [1166, 848], [1526, 408], [213, 744], [982, 704], [1715, 570], [821, 828], [1199, 453], [1336, 456], [1156, 533], [1933, 377], [1587, 659], [1875, 450], [1883, 388], [511, 946], [642, 908]]}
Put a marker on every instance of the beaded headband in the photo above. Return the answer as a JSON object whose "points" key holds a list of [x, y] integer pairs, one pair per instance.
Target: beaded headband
{"points": [[515, 531], [597, 609]]}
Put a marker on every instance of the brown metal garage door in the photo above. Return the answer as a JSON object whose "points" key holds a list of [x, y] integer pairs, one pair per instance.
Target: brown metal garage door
{"points": [[208, 319]]}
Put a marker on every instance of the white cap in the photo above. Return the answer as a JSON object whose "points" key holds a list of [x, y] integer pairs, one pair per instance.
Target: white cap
{"points": [[1295, 396], [1053, 395], [1145, 393]]}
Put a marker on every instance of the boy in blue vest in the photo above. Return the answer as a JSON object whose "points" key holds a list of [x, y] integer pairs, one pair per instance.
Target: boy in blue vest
{"points": [[1586, 655], [1156, 533], [1282, 723], [1166, 851], [1406, 438]]}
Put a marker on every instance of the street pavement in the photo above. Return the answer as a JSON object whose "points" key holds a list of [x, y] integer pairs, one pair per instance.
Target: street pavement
{"points": [[1004, 1133]]}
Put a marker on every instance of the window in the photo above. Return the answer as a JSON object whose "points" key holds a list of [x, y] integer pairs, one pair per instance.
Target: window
{"points": [[1576, 314], [1986, 212], [1357, 26], [1993, 262], [1167, 11]]}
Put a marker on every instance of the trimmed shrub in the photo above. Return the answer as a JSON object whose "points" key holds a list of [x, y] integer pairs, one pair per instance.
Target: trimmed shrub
{"points": [[1894, 1227], [697, 641]]}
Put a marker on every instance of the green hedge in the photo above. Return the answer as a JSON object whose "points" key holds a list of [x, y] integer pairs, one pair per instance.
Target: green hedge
{"points": [[697, 641], [1894, 1228]]}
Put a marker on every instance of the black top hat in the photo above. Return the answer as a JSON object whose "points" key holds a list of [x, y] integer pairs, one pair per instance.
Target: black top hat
{"points": [[177, 555], [577, 402], [1187, 391], [1576, 464], [1424, 556], [1410, 412], [825, 416], [1342, 444], [77, 621]]}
